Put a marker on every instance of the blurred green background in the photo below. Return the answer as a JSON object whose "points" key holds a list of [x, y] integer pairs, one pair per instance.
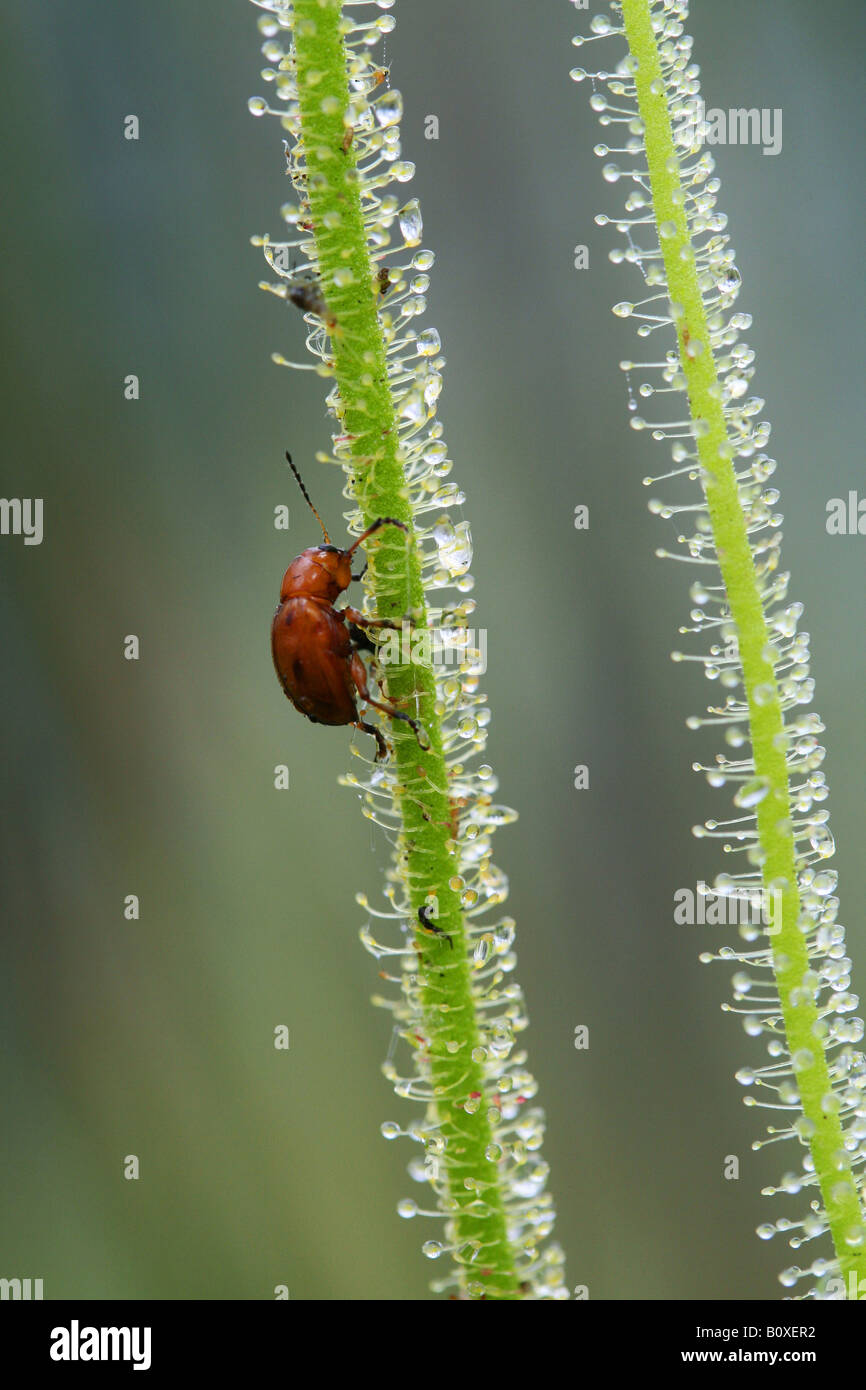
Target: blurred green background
{"points": [[155, 777]]}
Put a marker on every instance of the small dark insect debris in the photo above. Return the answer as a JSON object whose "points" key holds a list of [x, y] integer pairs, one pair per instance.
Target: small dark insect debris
{"points": [[307, 296], [430, 926]]}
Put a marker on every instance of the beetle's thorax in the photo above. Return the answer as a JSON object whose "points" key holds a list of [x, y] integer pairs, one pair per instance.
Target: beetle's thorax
{"points": [[323, 571]]}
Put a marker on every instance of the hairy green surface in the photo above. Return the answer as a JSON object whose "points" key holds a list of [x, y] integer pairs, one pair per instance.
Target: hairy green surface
{"points": [[394, 578], [790, 956]]}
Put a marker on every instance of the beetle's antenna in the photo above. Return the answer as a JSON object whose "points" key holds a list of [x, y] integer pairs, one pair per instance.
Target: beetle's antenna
{"points": [[307, 498], [377, 525]]}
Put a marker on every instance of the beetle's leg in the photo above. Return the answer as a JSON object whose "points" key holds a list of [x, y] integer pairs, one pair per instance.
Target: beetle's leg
{"points": [[356, 577], [360, 639], [362, 642], [423, 742], [382, 747], [358, 673], [359, 676], [353, 615], [357, 621]]}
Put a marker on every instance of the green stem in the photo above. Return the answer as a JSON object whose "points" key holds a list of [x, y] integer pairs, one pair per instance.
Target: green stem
{"points": [[789, 947], [394, 577]]}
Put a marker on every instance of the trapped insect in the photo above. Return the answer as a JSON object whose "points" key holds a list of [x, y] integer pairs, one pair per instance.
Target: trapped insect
{"points": [[307, 296], [316, 646], [428, 925]]}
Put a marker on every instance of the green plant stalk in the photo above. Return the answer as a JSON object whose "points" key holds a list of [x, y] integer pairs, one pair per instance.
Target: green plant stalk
{"points": [[790, 957], [394, 577]]}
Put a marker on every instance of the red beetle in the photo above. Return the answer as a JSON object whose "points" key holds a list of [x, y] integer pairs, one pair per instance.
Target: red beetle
{"points": [[316, 646]]}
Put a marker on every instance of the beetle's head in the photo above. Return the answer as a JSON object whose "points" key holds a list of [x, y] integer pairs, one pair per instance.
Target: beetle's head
{"points": [[323, 571]]}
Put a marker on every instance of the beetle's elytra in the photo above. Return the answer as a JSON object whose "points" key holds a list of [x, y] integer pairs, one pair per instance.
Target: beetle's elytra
{"points": [[316, 646]]}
